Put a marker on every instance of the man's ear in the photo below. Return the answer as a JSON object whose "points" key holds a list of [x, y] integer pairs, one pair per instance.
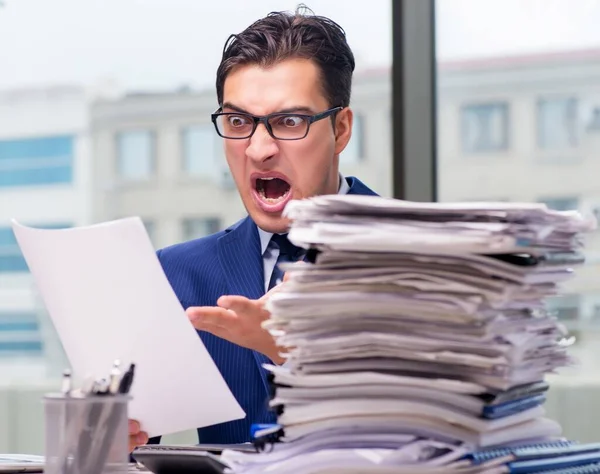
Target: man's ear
{"points": [[343, 129]]}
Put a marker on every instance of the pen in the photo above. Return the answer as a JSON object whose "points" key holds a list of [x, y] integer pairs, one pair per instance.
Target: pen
{"points": [[127, 380], [66, 383]]}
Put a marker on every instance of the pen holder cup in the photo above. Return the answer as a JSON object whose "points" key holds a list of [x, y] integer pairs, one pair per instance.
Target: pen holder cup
{"points": [[86, 435]]}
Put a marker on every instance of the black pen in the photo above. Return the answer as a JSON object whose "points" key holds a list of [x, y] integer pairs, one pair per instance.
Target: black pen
{"points": [[127, 380]]}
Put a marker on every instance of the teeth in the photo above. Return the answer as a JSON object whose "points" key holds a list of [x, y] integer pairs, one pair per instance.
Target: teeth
{"points": [[261, 192]]}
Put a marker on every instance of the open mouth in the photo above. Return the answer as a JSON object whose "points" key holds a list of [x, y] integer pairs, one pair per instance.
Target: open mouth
{"points": [[272, 190]]}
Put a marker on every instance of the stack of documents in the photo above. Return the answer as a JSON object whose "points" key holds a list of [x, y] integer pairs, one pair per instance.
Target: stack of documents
{"points": [[418, 336]]}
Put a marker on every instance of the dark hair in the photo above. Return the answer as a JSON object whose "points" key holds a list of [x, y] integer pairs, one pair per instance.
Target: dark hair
{"points": [[284, 35]]}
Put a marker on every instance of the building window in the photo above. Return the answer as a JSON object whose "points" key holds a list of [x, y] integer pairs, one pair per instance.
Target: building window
{"points": [[200, 227], [135, 155], [565, 308], [557, 124], [202, 152], [36, 161], [19, 335], [150, 229], [484, 127], [11, 258], [355, 150], [594, 125], [562, 203]]}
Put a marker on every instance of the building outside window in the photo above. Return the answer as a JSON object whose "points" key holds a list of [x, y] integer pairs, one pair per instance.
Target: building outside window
{"points": [[202, 151], [135, 155], [562, 203], [19, 335], [484, 127], [199, 227], [11, 258], [557, 123], [150, 226], [36, 161], [355, 150]]}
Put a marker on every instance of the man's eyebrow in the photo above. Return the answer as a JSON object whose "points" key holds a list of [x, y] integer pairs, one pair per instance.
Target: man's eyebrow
{"points": [[229, 105], [288, 110], [298, 108]]}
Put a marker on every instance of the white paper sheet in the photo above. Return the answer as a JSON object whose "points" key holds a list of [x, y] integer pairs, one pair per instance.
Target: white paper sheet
{"points": [[109, 298]]}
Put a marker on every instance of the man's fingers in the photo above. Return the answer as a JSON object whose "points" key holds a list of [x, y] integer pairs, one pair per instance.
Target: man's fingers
{"points": [[141, 438], [138, 439], [132, 443], [202, 316], [218, 331], [238, 304], [134, 427]]}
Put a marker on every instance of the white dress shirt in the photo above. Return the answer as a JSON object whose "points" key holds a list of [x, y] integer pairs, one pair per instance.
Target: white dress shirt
{"points": [[270, 252]]}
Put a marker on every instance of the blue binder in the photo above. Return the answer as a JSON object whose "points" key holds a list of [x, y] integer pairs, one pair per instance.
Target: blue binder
{"points": [[558, 457], [586, 469], [488, 454], [510, 408], [553, 463]]}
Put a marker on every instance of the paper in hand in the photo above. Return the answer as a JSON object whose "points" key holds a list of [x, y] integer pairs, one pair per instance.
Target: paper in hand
{"points": [[109, 298]]}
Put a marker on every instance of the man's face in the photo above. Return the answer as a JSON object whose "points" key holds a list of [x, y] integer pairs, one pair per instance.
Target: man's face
{"points": [[270, 172]]}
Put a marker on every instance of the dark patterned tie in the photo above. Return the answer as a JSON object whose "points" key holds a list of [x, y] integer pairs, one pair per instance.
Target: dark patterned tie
{"points": [[288, 252]]}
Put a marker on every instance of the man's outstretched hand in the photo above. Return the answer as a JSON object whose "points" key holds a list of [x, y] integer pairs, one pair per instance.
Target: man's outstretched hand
{"points": [[238, 319]]}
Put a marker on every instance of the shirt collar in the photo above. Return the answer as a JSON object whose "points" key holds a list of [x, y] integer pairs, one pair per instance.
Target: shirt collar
{"points": [[265, 237]]}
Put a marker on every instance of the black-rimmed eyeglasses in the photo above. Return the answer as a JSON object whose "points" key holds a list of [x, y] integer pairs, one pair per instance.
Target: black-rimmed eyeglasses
{"points": [[281, 126]]}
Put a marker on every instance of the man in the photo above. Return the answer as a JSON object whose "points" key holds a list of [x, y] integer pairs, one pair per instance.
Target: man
{"points": [[283, 88]]}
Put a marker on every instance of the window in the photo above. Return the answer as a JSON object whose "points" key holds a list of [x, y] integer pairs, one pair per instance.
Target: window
{"points": [[11, 259], [484, 127], [557, 123], [19, 335], [150, 229], [486, 51], [36, 161], [594, 124], [566, 308], [562, 203], [135, 155], [355, 151], [202, 152], [200, 227]]}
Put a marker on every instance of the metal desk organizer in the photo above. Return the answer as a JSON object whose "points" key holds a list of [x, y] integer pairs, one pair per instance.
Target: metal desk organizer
{"points": [[87, 430], [87, 434]]}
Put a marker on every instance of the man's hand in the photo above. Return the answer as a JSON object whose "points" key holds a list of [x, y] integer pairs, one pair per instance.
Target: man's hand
{"points": [[238, 320], [136, 436]]}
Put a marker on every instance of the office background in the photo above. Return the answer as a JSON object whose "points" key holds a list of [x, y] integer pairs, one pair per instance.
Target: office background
{"points": [[104, 113]]}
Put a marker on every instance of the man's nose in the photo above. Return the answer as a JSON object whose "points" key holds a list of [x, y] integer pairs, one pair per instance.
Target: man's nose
{"points": [[262, 145]]}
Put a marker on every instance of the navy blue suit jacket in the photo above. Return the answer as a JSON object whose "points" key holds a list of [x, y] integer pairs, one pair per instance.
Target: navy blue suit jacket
{"points": [[228, 263]]}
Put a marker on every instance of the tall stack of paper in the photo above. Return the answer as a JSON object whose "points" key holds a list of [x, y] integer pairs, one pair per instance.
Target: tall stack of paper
{"points": [[419, 335]]}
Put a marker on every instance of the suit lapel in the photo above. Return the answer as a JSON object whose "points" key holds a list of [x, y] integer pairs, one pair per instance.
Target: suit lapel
{"points": [[241, 261], [358, 187]]}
